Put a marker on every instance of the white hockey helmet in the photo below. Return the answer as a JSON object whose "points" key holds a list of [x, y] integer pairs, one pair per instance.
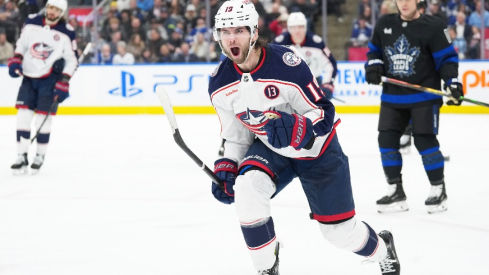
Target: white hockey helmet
{"points": [[297, 19], [236, 13], [60, 4]]}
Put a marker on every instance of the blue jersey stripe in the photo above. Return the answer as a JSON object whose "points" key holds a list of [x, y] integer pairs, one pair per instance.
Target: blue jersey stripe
{"points": [[407, 99], [444, 56]]}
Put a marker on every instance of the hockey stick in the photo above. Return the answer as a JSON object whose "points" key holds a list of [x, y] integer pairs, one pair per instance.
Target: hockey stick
{"points": [[55, 101], [429, 90], [165, 101]]}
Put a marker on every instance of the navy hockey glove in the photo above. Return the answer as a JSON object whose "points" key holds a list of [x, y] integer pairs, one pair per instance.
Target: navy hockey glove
{"points": [[374, 70], [289, 130], [328, 90], [61, 89], [15, 66], [457, 91], [227, 171]]}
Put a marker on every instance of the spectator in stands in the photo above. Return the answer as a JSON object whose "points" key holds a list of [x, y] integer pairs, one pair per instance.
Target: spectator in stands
{"points": [[364, 4], [135, 11], [165, 55], [279, 25], [462, 29], [421, 6], [459, 44], [452, 8], [259, 8], [155, 12], [176, 39], [74, 23], [388, 7], [125, 21], [475, 16], [136, 28], [215, 5], [183, 55], [361, 33], [148, 57], [276, 9], [334, 7], [473, 51], [105, 56], [435, 10], [176, 10], [200, 47], [9, 20], [155, 41], [112, 26], [6, 48], [190, 17], [122, 57], [136, 46], [155, 25], [308, 9], [200, 27], [123, 5], [145, 5], [26, 7], [114, 39], [264, 30]]}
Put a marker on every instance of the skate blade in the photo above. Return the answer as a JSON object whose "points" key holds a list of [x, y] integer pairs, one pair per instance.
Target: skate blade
{"points": [[433, 209], [19, 172], [34, 172], [400, 206]]}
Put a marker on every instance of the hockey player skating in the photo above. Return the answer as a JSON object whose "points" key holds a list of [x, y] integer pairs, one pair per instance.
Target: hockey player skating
{"points": [[313, 50], [415, 48], [45, 56], [278, 126]]}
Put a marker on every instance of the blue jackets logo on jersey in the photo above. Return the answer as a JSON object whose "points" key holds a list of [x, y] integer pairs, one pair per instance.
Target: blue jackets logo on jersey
{"points": [[41, 51], [126, 89], [291, 59], [401, 57], [253, 120]]}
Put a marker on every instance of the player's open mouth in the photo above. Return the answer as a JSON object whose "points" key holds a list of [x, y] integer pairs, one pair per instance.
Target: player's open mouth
{"points": [[235, 51]]}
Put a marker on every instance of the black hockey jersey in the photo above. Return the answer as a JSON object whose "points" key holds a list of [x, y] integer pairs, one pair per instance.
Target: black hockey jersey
{"points": [[418, 52]]}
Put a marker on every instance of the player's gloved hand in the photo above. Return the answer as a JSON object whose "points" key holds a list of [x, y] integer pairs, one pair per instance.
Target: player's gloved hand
{"points": [[374, 70], [15, 66], [328, 90], [227, 171], [61, 89], [289, 130], [457, 91]]}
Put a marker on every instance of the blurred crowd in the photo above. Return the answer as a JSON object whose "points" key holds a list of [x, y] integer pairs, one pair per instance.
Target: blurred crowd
{"points": [[176, 31], [463, 17]]}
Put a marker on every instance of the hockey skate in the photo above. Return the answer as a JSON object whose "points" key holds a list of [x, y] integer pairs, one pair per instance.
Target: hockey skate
{"points": [[36, 164], [437, 200], [394, 201], [20, 165], [390, 265], [405, 144], [274, 269]]}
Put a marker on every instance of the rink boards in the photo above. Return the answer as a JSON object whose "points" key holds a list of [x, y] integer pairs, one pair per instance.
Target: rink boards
{"points": [[130, 89]]}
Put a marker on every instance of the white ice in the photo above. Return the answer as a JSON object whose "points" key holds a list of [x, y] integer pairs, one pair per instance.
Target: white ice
{"points": [[116, 195]]}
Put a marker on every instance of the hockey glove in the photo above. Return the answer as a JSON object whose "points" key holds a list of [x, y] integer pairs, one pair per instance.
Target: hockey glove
{"points": [[290, 130], [374, 70], [61, 89], [227, 171], [457, 91], [328, 90], [15, 66]]}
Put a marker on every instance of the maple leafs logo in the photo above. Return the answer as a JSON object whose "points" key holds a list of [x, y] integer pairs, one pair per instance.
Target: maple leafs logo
{"points": [[401, 57]]}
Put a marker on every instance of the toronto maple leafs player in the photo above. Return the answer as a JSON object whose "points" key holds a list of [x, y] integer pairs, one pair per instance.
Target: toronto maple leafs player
{"points": [[313, 51], [45, 56], [278, 125], [415, 48]]}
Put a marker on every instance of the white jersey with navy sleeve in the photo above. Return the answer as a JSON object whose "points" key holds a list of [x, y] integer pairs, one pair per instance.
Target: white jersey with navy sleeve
{"points": [[282, 81], [41, 45], [315, 53]]}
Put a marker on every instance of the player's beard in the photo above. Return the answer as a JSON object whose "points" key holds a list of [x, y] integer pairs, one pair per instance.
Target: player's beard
{"points": [[243, 54]]}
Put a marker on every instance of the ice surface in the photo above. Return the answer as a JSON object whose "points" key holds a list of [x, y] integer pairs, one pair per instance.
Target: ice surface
{"points": [[116, 195]]}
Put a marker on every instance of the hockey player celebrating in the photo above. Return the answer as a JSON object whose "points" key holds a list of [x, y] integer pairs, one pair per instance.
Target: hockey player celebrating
{"points": [[415, 48], [278, 125], [45, 56], [313, 50]]}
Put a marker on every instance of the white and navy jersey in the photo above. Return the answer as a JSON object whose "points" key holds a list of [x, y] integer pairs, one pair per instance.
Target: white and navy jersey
{"points": [[315, 53], [41, 45], [282, 81], [419, 52]]}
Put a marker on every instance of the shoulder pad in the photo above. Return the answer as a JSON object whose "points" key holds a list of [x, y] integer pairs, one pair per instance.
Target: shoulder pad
{"points": [[317, 38], [69, 27], [279, 38], [32, 15]]}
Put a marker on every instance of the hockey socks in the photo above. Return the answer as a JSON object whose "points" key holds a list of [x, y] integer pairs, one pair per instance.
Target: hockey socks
{"points": [[261, 241]]}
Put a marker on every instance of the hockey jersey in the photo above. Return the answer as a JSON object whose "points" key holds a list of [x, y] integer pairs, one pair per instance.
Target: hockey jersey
{"points": [[315, 53], [41, 45], [418, 52], [282, 81]]}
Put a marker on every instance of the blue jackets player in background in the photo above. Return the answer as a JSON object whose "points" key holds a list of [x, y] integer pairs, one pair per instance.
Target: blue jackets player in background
{"points": [[278, 125], [312, 49], [415, 48], [45, 56]]}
